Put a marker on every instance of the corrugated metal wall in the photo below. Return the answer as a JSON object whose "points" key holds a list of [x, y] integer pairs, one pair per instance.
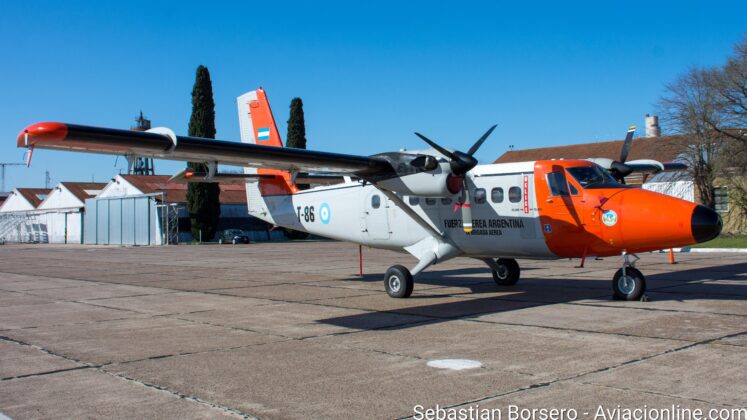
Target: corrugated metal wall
{"points": [[122, 221]]}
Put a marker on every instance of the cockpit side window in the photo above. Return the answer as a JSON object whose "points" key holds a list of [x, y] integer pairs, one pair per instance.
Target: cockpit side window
{"points": [[573, 189], [557, 183], [593, 177]]}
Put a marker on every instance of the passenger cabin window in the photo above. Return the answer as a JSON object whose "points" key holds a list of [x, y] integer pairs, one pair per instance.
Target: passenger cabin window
{"points": [[557, 183], [514, 194], [375, 201], [446, 201], [573, 189], [480, 196], [414, 201], [496, 195], [430, 201]]}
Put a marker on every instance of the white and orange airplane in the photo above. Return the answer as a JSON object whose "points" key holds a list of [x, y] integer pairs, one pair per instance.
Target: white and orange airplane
{"points": [[436, 204]]}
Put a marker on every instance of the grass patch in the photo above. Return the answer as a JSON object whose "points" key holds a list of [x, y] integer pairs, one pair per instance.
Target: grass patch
{"points": [[725, 241]]}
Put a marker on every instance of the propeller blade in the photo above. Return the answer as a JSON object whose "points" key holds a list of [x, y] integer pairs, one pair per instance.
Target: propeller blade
{"points": [[620, 170], [466, 210], [479, 142], [443, 151], [626, 144]]}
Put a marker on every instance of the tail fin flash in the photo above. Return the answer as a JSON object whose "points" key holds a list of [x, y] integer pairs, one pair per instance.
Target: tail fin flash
{"points": [[256, 121], [258, 126]]}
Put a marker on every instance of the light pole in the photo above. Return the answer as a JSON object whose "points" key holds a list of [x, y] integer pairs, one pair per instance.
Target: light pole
{"points": [[2, 173]]}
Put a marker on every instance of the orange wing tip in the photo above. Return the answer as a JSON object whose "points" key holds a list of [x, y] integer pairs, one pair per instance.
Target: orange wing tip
{"points": [[42, 132]]}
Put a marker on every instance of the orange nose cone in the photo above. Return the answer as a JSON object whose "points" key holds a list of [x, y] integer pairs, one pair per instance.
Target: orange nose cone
{"points": [[652, 221]]}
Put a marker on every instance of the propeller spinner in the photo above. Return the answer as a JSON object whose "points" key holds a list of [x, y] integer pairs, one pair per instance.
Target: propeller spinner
{"points": [[461, 163]]}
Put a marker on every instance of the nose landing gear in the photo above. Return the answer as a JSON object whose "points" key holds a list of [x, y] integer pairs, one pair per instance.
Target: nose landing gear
{"points": [[628, 283]]}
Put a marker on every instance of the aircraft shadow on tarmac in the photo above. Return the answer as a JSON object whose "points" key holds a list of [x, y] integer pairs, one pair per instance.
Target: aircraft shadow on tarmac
{"points": [[681, 286]]}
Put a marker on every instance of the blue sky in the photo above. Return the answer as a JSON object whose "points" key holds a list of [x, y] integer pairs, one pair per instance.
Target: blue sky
{"points": [[370, 74]]}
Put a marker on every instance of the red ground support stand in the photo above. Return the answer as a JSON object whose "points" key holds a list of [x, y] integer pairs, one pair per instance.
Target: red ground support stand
{"points": [[360, 260]]}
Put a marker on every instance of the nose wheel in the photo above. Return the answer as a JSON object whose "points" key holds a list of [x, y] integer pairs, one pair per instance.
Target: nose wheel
{"points": [[628, 283], [398, 282]]}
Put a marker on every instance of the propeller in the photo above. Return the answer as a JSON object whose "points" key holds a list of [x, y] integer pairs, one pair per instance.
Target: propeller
{"points": [[618, 168], [461, 163]]}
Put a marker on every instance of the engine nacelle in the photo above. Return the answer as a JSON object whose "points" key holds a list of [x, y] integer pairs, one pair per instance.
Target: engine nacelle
{"points": [[436, 183]]}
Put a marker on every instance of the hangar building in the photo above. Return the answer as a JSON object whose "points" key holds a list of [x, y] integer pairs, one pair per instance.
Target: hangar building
{"points": [[47, 215], [150, 210]]}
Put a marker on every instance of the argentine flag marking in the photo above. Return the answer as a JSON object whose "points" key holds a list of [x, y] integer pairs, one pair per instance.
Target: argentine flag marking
{"points": [[263, 134]]}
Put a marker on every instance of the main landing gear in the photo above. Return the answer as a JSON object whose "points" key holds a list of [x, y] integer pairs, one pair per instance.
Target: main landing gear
{"points": [[398, 282], [628, 283], [507, 272]]}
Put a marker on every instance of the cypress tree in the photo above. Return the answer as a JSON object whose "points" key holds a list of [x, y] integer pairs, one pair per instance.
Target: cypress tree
{"points": [[296, 126], [296, 138], [203, 199]]}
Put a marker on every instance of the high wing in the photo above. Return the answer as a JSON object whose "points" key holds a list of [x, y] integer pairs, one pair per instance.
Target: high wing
{"points": [[652, 166], [162, 143]]}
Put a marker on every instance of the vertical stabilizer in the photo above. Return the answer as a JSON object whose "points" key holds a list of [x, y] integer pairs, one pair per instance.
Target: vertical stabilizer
{"points": [[258, 126]]}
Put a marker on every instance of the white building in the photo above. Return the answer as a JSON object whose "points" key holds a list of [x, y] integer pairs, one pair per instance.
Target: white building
{"points": [[47, 215], [24, 199], [17, 220], [63, 210]]}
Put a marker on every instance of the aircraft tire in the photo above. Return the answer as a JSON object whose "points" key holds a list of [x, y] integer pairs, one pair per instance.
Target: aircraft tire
{"points": [[398, 282], [508, 273], [630, 287]]}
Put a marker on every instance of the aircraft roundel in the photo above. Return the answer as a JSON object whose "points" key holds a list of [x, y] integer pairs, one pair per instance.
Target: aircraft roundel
{"points": [[609, 218], [325, 213]]}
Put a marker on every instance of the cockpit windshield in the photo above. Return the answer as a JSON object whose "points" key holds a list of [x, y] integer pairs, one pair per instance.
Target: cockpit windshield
{"points": [[593, 177]]}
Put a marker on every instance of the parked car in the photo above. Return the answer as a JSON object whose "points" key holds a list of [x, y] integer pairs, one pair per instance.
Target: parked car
{"points": [[233, 236]]}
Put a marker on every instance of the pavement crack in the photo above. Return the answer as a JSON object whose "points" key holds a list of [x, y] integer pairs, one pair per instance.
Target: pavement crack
{"points": [[660, 394], [582, 374], [49, 372], [225, 409]]}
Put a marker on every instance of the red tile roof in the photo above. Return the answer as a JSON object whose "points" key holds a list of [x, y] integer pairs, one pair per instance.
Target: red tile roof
{"points": [[32, 195], [663, 149], [176, 192], [79, 189]]}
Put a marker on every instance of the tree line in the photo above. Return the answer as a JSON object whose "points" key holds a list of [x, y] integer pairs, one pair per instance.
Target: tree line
{"points": [[708, 105]]}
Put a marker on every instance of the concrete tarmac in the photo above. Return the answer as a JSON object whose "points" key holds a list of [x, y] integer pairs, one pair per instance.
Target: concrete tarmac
{"points": [[288, 330]]}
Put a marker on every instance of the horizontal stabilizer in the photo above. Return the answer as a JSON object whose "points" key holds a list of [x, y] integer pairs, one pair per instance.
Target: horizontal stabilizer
{"points": [[191, 175]]}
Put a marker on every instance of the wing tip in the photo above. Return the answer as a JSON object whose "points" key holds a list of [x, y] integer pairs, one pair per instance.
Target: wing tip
{"points": [[43, 131]]}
